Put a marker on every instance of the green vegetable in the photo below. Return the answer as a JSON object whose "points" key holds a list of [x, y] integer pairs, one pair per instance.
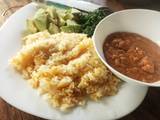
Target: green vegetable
{"points": [[30, 26], [68, 14], [90, 20], [53, 28], [71, 22], [51, 12], [62, 22], [54, 20], [64, 19], [40, 20], [71, 29], [93, 19]]}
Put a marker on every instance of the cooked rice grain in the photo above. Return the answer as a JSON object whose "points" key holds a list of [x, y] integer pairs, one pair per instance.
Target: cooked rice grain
{"points": [[65, 69]]}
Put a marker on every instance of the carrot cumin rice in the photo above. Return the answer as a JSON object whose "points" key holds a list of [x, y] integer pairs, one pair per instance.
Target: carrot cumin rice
{"points": [[64, 68]]}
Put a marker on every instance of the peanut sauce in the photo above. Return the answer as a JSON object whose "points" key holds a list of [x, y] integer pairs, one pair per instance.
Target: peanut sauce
{"points": [[133, 55]]}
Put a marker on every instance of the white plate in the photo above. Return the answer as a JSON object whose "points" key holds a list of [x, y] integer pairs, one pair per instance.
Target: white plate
{"points": [[15, 90]]}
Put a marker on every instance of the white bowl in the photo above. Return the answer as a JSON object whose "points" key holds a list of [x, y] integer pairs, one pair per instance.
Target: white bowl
{"points": [[141, 21]]}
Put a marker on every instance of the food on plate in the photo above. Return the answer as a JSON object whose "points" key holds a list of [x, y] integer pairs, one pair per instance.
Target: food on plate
{"points": [[35, 37], [64, 68], [52, 19], [89, 20], [133, 55], [69, 20]]}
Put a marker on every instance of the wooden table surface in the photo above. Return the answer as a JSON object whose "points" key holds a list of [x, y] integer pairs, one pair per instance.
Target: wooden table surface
{"points": [[148, 110]]}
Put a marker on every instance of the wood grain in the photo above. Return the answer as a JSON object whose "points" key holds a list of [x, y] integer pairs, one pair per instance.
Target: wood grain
{"points": [[148, 110]]}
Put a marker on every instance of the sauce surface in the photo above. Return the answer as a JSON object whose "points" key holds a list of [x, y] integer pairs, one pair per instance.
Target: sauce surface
{"points": [[133, 55]]}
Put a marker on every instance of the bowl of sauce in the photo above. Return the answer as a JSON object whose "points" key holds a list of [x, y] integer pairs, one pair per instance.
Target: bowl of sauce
{"points": [[128, 43]]}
